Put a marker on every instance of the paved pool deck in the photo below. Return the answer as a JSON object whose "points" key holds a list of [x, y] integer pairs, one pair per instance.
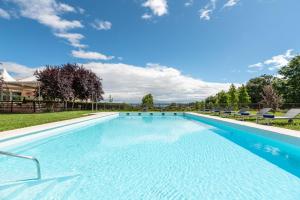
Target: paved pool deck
{"points": [[16, 133], [273, 129]]}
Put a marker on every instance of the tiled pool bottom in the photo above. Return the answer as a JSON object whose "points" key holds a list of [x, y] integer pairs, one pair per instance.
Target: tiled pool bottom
{"points": [[153, 157]]}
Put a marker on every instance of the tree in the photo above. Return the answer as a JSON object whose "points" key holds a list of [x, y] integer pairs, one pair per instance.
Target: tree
{"points": [[69, 82], [199, 105], [233, 97], [1, 84], [65, 81], [291, 80], [222, 99], [210, 102], [147, 101], [255, 86], [244, 98], [270, 98], [49, 87]]}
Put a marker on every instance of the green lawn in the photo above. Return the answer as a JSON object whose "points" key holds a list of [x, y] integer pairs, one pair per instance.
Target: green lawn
{"points": [[14, 121], [295, 125]]}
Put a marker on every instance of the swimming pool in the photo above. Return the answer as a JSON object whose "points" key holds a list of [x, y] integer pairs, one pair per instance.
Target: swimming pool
{"points": [[155, 157]]}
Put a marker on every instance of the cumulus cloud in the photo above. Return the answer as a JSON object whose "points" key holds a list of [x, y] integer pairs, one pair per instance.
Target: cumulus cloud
{"points": [[90, 55], [73, 38], [4, 14], [102, 25], [231, 3], [205, 13], [158, 7], [276, 62], [16, 69], [48, 13], [129, 83]]}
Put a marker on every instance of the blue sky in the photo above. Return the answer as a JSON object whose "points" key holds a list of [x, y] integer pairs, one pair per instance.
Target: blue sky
{"points": [[204, 44]]}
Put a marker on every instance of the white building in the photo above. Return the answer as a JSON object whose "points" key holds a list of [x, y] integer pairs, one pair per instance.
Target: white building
{"points": [[17, 90]]}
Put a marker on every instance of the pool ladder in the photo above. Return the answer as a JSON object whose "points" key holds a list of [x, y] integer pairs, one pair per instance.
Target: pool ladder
{"points": [[33, 159]]}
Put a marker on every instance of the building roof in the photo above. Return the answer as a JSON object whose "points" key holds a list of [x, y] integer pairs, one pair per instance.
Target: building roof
{"points": [[6, 76]]}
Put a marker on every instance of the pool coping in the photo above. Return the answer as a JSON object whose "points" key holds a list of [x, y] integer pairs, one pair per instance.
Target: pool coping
{"points": [[16, 133], [282, 131]]}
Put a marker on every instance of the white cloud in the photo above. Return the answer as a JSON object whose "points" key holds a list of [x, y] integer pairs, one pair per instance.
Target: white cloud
{"points": [[48, 13], [73, 38], [276, 62], [102, 25], [256, 67], [158, 7], [205, 13], [4, 14], [65, 8], [146, 16], [189, 3], [231, 3], [90, 55], [129, 83], [17, 70]]}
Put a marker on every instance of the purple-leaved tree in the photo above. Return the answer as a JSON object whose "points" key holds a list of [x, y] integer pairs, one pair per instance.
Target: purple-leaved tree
{"points": [[69, 82]]}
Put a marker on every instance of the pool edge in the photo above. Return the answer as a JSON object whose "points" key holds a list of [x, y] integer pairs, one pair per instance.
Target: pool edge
{"points": [[282, 131], [16, 133]]}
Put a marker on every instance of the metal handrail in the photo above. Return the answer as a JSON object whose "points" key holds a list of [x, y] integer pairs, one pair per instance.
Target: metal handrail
{"points": [[35, 160]]}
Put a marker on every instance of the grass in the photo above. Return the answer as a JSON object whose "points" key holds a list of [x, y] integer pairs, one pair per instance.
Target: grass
{"points": [[295, 125], [14, 121]]}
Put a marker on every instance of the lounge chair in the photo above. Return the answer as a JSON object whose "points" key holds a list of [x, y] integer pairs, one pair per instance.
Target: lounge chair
{"points": [[242, 111], [216, 110], [290, 115], [261, 113], [228, 111]]}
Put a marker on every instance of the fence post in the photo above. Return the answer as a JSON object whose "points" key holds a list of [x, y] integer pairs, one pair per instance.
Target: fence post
{"points": [[11, 106]]}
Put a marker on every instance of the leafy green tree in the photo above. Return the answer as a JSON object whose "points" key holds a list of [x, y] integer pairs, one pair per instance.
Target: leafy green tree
{"points": [[210, 102], [147, 101], [291, 80], [233, 97], [270, 98], [244, 98], [255, 87], [222, 99], [200, 105]]}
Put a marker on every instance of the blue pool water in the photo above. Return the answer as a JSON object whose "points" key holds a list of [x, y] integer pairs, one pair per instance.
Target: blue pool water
{"points": [[155, 157]]}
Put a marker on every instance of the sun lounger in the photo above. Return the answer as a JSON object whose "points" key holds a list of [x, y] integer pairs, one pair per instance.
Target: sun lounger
{"points": [[290, 115]]}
